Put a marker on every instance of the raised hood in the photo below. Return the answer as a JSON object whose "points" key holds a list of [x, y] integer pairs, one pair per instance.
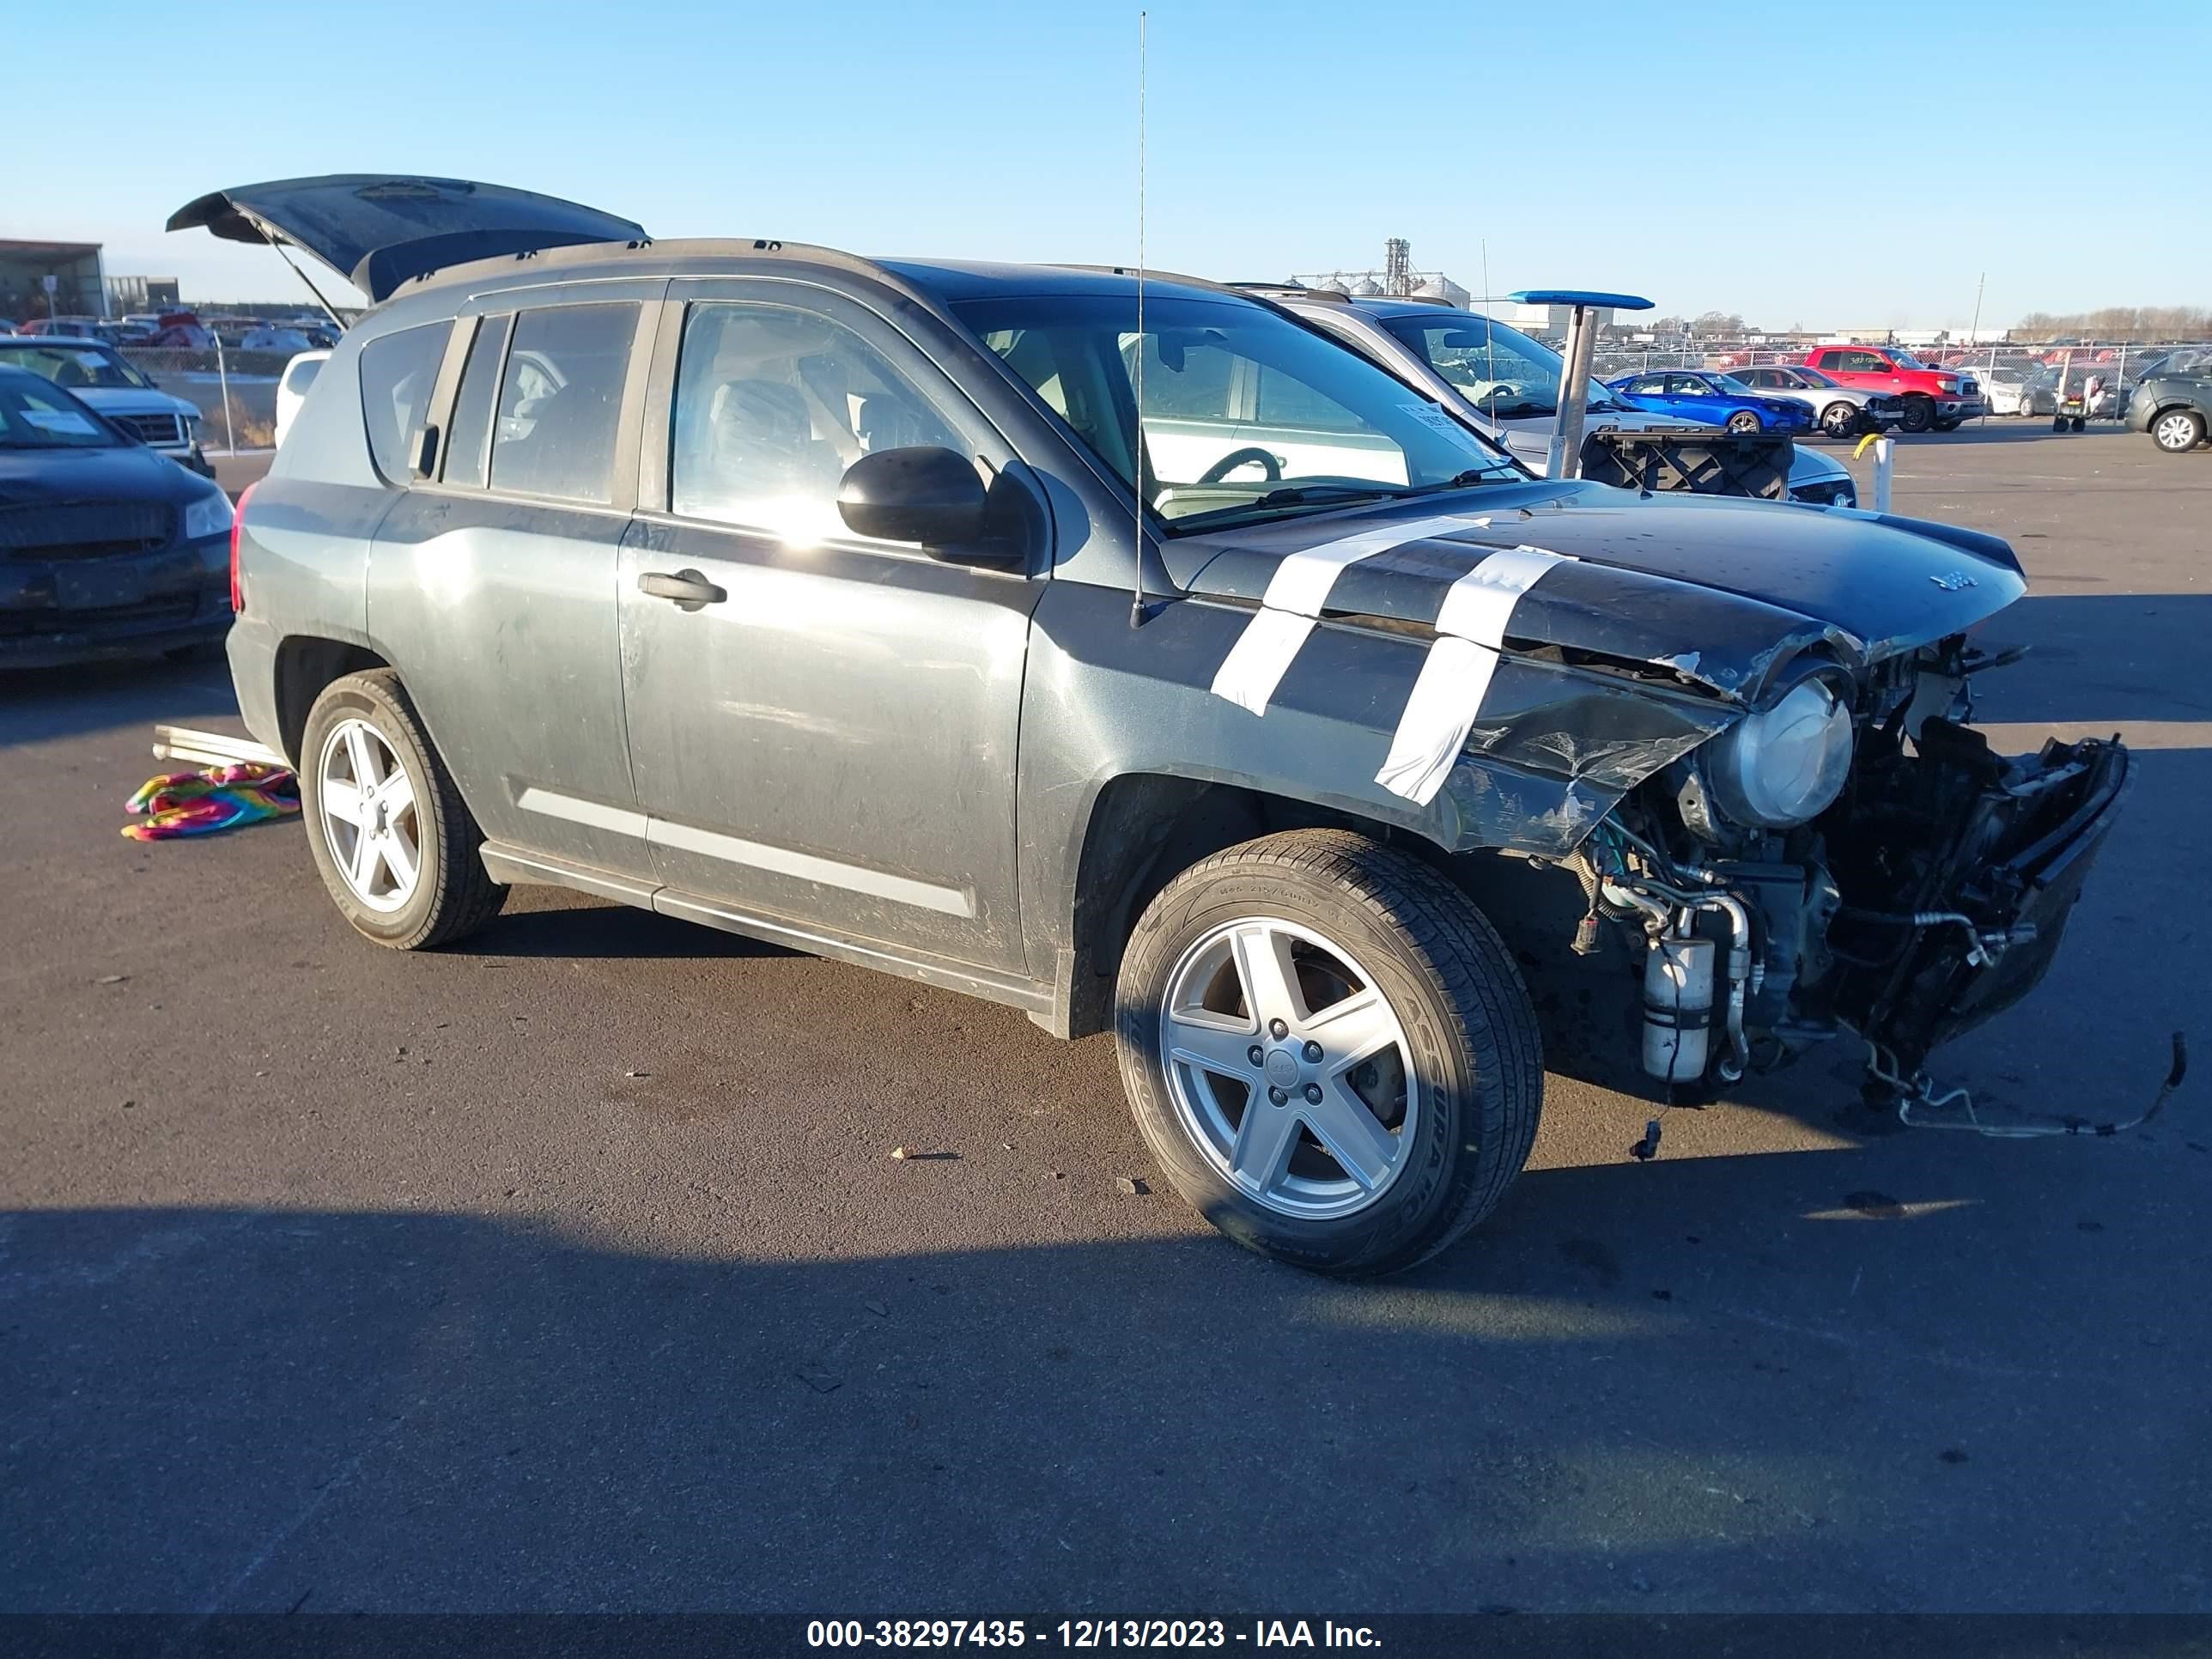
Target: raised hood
{"points": [[1715, 590], [378, 230]]}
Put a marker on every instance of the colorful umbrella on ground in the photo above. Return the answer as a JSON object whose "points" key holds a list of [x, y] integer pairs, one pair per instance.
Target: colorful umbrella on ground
{"points": [[219, 798]]}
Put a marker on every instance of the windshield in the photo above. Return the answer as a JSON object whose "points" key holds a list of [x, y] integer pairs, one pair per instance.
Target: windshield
{"points": [[1904, 359], [34, 415], [73, 367], [1501, 371], [1729, 385], [1247, 414]]}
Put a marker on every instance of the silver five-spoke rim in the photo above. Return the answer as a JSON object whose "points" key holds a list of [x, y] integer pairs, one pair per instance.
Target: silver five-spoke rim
{"points": [[1288, 1068], [2177, 432], [371, 822]]}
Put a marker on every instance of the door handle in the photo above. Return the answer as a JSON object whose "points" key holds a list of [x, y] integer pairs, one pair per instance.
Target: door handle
{"points": [[688, 589]]}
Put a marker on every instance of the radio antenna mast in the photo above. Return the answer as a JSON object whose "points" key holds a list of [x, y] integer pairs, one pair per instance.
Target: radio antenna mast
{"points": [[1137, 447]]}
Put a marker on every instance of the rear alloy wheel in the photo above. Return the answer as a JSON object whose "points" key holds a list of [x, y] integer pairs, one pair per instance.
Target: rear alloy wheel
{"points": [[393, 841], [1744, 421], [2177, 431], [1839, 419], [1919, 414], [1328, 1051]]}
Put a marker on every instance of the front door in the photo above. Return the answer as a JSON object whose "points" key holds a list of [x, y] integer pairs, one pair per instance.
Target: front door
{"points": [[822, 728]]}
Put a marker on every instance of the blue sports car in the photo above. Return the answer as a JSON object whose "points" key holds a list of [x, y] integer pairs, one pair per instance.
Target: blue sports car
{"points": [[1710, 398]]}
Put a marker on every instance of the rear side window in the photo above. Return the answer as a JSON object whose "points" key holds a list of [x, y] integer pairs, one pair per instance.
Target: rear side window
{"points": [[468, 449], [561, 400], [398, 372]]}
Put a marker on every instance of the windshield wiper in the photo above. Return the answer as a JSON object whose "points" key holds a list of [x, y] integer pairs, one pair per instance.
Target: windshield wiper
{"points": [[1519, 411], [1292, 495], [1297, 494], [1467, 480]]}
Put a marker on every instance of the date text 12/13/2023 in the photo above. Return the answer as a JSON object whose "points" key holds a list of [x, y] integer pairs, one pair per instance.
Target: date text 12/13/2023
{"points": [[1084, 1633]]}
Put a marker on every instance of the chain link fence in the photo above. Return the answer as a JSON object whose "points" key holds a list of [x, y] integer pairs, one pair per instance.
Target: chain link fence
{"points": [[236, 392]]}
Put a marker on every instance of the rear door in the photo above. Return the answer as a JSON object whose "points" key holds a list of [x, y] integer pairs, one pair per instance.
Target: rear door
{"points": [[492, 584], [823, 726]]}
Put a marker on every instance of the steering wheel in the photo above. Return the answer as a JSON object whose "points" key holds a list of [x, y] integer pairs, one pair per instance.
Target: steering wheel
{"points": [[1236, 457]]}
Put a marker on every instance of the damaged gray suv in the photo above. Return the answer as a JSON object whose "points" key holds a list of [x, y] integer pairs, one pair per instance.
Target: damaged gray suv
{"points": [[1187, 679]]}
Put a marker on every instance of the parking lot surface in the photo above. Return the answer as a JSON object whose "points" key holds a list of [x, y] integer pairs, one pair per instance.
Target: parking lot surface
{"points": [[570, 1269]]}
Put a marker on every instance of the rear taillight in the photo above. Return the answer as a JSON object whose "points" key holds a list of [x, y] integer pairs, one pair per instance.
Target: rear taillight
{"points": [[237, 526]]}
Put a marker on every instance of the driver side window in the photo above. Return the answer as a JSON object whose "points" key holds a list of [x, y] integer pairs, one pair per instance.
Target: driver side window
{"points": [[772, 404]]}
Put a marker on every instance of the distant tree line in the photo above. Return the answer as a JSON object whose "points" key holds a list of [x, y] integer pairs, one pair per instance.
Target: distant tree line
{"points": [[2119, 323]]}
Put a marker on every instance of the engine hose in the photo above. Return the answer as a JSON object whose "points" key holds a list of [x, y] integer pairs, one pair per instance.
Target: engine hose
{"points": [[1593, 886]]}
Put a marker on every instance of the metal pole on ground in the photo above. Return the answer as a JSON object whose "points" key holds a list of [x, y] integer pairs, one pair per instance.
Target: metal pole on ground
{"points": [[222, 375]]}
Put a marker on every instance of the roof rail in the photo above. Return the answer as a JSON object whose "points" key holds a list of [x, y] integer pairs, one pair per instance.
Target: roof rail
{"points": [[1294, 290]]}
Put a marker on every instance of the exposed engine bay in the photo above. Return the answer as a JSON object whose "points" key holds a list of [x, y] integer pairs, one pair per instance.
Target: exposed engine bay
{"points": [[1854, 858]]}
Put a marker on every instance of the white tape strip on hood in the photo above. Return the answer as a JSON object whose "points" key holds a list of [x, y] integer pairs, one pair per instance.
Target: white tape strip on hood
{"points": [[1296, 594], [1471, 627]]}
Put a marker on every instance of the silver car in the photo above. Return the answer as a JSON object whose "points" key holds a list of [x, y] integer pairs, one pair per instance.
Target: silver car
{"points": [[1505, 383], [1840, 410]]}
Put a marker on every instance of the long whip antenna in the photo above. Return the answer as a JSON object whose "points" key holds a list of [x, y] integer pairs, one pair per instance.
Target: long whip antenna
{"points": [[1490, 339], [1137, 447]]}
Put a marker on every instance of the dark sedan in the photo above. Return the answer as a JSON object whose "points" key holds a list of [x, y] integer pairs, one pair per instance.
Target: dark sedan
{"points": [[2174, 405], [106, 550]]}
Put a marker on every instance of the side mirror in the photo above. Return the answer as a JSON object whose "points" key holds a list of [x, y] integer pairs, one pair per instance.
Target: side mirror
{"points": [[927, 495]]}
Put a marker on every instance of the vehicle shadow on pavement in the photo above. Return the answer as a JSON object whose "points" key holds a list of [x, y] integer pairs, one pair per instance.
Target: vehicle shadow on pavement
{"points": [[553, 923], [2004, 429], [48, 705], [1736, 1382]]}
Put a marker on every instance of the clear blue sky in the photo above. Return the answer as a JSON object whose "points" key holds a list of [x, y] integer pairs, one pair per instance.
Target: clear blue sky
{"points": [[1821, 165]]}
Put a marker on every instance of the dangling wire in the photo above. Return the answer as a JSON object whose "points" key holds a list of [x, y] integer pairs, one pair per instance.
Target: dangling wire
{"points": [[1919, 1092]]}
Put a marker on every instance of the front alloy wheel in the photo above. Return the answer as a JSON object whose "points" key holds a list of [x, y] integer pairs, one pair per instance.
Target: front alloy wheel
{"points": [[1839, 419], [1328, 1050], [1287, 1068], [1743, 421], [2177, 431]]}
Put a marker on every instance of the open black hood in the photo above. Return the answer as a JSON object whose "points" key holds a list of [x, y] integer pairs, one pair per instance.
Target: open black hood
{"points": [[377, 230]]}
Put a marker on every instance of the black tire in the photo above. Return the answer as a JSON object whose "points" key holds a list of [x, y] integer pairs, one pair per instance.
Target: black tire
{"points": [[2077, 424], [1745, 421], [1840, 419], [1947, 426], [1471, 1040], [1919, 414], [2185, 422], [454, 895]]}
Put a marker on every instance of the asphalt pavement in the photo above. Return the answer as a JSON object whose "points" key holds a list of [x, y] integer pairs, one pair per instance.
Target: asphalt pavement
{"points": [[571, 1268]]}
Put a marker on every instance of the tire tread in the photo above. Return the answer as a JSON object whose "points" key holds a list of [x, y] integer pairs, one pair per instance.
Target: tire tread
{"points": [[1455, 941]]}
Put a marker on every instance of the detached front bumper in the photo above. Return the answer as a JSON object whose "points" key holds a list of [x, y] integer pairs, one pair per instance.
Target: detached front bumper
{"points": [[1957, 873]]}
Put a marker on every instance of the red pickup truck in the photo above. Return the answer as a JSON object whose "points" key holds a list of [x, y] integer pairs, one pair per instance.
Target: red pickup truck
{"points": [[1937, 397]]}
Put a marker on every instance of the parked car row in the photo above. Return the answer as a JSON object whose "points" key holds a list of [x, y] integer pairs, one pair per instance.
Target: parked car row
{"points": [[773, 552]]}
